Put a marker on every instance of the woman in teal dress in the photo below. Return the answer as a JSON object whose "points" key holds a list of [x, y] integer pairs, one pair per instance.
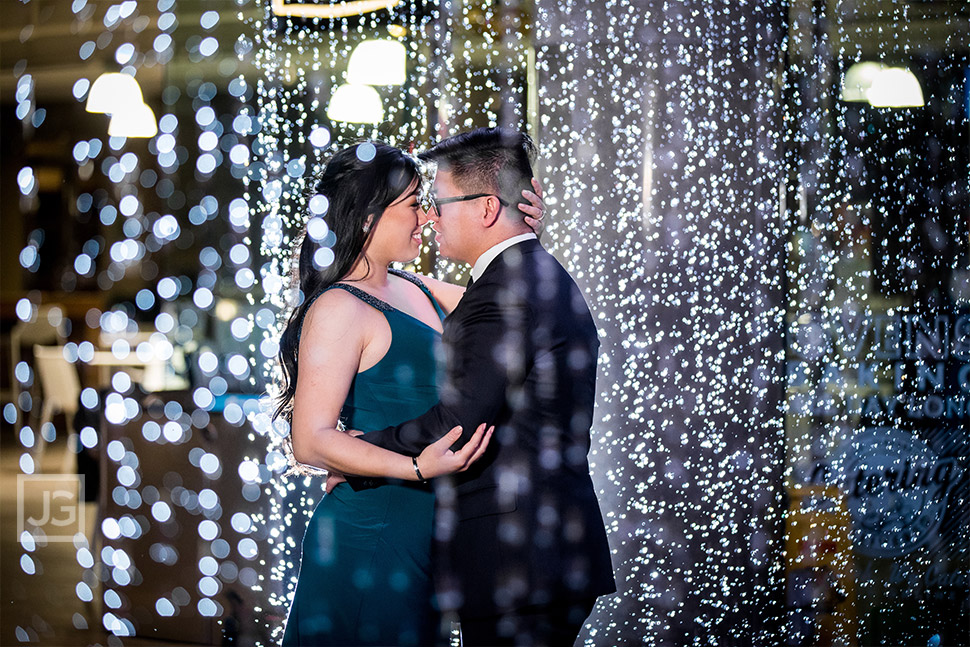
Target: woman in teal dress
{"points": [[362, 344]]}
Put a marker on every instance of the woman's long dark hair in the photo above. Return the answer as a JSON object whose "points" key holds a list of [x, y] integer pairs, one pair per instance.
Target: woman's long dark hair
{"points": [[358, 182]]}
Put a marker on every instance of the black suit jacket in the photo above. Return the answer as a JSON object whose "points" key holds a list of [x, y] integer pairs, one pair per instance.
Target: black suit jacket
{"points": [[522, 526]]}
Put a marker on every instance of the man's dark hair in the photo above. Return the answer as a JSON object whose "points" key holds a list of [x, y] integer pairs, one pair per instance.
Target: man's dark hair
{"points": [[488, 160]]}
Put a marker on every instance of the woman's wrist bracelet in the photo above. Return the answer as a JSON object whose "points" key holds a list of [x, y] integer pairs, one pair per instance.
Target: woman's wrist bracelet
{"points": [[414, 461]]}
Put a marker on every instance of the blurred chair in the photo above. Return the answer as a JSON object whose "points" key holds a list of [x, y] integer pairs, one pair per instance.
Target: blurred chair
{"points": [[153, 373], [61, 390], [46, 326]]}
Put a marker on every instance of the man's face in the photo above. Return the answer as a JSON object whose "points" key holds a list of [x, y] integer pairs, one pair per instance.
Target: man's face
{"points": [[453, 223]]}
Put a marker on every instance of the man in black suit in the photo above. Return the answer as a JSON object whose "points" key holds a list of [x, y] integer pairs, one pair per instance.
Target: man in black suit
{"points": [[521, 549]]}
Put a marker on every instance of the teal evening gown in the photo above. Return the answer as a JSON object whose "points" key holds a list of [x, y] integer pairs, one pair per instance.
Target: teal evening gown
{"points": [[365, 578]]}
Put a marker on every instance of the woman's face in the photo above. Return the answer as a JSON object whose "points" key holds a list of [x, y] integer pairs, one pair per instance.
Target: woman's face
{"points": [[397, 236]]}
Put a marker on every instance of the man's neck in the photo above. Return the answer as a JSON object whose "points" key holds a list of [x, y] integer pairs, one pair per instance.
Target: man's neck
{"points": [[496, 237], [496, 250]]}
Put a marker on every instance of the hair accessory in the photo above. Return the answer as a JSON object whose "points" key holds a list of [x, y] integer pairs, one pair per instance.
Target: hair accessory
{"points": [[426, 172]]}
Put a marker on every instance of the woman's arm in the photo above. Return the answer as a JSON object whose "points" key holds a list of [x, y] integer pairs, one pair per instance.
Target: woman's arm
{"points": [[339, 333], [336, 331]]}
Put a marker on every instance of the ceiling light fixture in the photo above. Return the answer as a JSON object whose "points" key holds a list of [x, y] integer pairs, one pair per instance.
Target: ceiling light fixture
{"points": [[113, 92], [333, 10], [356, 104], [133, 121], [858, 79], [896, 87], [882, 86], [377, 62]]}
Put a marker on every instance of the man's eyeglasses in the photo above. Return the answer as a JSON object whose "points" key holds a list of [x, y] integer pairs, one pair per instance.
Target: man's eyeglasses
{"points": [[437, 202]]}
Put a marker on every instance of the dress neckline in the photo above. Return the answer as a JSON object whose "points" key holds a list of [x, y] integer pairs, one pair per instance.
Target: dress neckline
{"points": [[384, 306]]}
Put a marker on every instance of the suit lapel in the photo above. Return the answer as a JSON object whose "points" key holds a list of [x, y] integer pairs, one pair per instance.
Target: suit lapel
{"points": [[494, 271]]}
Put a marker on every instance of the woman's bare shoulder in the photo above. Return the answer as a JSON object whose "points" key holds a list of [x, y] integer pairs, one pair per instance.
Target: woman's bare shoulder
{"points": [[336, 313]]}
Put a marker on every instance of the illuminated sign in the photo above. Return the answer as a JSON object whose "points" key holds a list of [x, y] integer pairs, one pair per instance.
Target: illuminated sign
{"points": [[334, 10]]}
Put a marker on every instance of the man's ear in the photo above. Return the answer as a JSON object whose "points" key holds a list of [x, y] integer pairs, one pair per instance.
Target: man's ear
{"points": [[491, 211]]}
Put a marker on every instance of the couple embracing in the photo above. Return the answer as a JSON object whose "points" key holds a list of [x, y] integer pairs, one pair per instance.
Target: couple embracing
{"points": [[460, 417]]}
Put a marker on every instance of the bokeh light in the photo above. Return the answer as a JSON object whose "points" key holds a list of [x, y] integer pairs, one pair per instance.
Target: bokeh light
{"points": [[780, 278]]}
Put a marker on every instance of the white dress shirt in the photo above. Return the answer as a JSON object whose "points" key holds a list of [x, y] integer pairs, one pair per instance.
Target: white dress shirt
{"points": [[492, 253]]}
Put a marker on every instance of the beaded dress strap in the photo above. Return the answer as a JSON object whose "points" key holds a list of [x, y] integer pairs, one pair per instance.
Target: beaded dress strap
{"points": [[408, 277], [424, 288], [373, 301], [369, 298], [366, 297]]}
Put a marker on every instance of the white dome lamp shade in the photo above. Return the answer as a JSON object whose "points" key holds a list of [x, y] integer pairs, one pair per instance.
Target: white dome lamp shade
{"points": [[113, 92], [133, 121], [356, 104], [882, 86], [377, 62], [858, 79], [896, 87]]}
